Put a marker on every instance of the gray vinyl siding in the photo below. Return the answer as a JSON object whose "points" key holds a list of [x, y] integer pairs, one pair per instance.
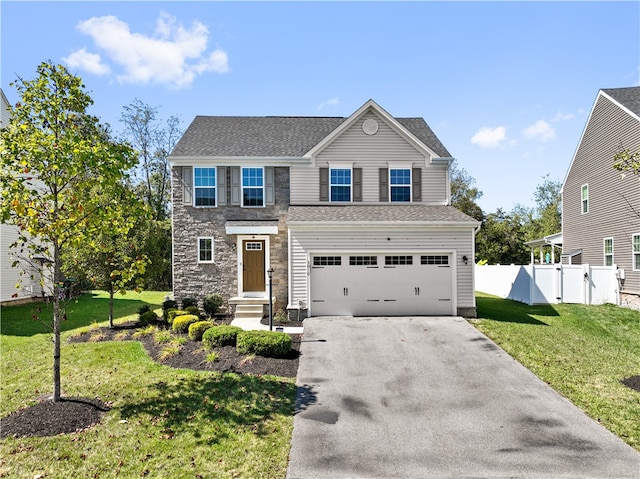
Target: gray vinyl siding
{"points": [[305, 242], [614, 202], [370, 152]]}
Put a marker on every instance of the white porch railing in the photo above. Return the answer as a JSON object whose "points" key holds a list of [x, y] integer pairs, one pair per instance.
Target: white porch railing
{"points": [[550, 284]]}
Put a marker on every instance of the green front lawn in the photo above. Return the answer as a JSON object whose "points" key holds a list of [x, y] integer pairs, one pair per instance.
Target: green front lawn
{"points": [[163, 422], [583, 352]]}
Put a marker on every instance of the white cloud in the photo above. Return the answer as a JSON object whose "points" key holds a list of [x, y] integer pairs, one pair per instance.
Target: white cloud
{"points": [[490, 137], [563, 117], [329, 102], [174, 55], [540, 130], [90, 62]]}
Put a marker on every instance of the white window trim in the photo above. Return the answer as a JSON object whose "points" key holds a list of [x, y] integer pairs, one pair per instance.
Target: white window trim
{"points": [[242, 187], [582, 211], [604, 251], [336, 167], [402, 186], [634, 253], [195, 188], [213, 249]]}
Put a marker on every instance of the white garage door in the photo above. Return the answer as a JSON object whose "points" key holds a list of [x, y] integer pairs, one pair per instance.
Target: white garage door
{"points": [[381, 285]]}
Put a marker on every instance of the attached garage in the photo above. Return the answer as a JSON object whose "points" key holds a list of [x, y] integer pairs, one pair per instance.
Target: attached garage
{"points": [[398, 260], [381, 285]]}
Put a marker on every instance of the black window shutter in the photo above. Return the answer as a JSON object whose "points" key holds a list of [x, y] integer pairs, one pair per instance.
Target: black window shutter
{"points": [[416, 184], [384, 184], [324, 184], [357, 184]]}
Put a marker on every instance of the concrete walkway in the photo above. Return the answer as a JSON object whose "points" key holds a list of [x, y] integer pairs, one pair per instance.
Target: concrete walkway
{"points": [[255, 324], [435, 398]]}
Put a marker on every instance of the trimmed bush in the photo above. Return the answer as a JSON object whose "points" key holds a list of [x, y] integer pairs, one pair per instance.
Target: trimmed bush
{"points": [[148, 318], [173, 313], [221, 336], [186, 302], [181, 323], [196, 330], [169, 304], [143, 309], [212, 304], [264, 343], [193, 310]]}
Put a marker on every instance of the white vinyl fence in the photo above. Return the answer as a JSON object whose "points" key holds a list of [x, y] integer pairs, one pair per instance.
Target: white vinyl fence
{"points": [[548, 284]]}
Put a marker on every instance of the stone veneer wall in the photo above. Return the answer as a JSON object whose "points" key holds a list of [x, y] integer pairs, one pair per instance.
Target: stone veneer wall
{"points": [[197, 280]]}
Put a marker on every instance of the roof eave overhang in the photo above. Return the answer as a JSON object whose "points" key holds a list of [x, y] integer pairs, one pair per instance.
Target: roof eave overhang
{"points": [[236, 160], [383, 226]]}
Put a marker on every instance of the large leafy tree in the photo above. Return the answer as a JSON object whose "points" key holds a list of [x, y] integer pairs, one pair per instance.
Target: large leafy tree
{"points": [[56, 160], [501, 239], [464, 192]]}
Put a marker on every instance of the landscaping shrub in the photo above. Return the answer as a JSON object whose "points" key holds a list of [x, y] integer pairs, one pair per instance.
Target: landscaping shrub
{"points": [[196, 330], [143, 309], [186, 302], [148, 318], [169, 304], [212, 304], [171, 315], [181, 323], [221, 336], [193, 310], [264, 343]]}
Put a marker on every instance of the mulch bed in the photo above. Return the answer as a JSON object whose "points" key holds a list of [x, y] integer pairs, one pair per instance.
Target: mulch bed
{"points": [[633, 382], [47, 418]]}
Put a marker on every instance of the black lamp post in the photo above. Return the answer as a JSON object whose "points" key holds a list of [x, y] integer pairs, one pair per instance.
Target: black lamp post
{"points": [[270, 274]]}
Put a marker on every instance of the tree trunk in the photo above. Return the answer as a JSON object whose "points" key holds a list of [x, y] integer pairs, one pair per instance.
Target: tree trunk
{"points": [[111, 305], [57, 316]]}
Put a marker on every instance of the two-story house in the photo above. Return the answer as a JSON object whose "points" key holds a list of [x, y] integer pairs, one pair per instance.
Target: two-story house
{"points": [[601, 206], [352, 215]]}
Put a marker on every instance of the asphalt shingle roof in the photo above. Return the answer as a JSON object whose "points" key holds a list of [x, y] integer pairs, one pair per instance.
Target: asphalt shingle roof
{"points": [[378, 214], [629, 97], [282, 137]]}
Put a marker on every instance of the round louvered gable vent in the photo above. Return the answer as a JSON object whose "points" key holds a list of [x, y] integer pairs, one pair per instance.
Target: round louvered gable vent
{"points": [[370, 126]]}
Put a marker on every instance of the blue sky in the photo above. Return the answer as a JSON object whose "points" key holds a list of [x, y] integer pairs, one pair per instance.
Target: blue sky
{"points": [[506, 86]]}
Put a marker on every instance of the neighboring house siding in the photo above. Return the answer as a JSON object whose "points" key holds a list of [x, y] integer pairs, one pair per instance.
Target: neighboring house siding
{"points": [[370, 153], [363, 241], [614, 201]]}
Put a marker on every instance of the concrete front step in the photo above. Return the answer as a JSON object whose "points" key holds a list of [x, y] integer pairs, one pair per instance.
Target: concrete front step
{"points": [[249, 311]]}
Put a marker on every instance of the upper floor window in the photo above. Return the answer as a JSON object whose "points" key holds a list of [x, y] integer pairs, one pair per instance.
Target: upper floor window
{"points": [[252, 187], [205, 186], [400, 184], [340, 184], [636, 252], [608, 251], [584, 191], [205, 250]]}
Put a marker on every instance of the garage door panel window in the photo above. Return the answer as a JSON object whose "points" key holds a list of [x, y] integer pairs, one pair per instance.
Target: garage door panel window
{"points": [[435, 259], [327, 260], [397, 260], [363, 260]]}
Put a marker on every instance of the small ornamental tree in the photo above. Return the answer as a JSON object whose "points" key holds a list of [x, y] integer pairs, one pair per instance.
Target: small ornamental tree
{"points": [[627, 160], [56, 161]]}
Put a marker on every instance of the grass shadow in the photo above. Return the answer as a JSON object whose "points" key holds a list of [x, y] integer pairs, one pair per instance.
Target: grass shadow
{"points": [[505, 310], [37, 318], [225, 402]]}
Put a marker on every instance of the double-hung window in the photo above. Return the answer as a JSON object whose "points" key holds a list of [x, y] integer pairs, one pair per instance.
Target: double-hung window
{"points": [[584, 195], [252, 186], [635, 247], [400, 184], [340, 184], [205, 250], [608, 251], [205, 186]]}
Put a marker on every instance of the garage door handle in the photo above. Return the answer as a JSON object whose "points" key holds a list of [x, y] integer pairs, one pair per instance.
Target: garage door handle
{"points": [[345, 291], [417, 291]]}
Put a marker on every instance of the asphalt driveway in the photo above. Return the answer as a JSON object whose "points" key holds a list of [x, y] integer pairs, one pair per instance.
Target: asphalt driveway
{"points": [[434, 398]]}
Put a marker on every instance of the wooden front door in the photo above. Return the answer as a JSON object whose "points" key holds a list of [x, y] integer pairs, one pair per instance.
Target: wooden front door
{"points": [[253, 265]]}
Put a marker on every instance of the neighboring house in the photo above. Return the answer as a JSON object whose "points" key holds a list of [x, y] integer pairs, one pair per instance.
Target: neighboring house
{"points": [[601, 207], [15, 287], [352, 214]]}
